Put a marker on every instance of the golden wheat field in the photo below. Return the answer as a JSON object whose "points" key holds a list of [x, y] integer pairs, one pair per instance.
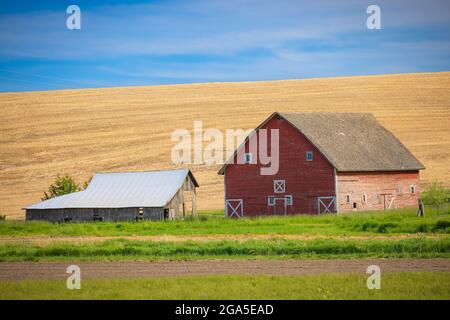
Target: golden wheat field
{"points": [[81, 132]]}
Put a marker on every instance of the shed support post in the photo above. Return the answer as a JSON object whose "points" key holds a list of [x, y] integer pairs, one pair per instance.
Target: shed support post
{"points": [[194, 202], [183, 204]]}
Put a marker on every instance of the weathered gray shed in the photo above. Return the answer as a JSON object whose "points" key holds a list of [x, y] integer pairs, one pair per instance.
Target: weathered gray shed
{"points": [[149, 195]]}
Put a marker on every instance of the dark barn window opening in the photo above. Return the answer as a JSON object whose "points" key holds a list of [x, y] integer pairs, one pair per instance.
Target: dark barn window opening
{"points": [[96, 216], [166, 214]]}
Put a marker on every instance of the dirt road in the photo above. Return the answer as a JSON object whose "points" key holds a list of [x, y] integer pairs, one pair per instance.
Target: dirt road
{"points": [[127, 269]]}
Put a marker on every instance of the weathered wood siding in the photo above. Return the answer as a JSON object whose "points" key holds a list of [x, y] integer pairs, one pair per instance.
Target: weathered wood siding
{"points": [[178, 205], [87, 215], [305, 180]]}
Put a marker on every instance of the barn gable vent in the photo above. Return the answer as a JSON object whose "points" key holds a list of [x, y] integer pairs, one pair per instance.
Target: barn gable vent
{"points": [[279, 186]]}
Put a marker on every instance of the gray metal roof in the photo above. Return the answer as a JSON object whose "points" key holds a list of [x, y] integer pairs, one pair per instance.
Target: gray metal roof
{"points": [[123, 190]]}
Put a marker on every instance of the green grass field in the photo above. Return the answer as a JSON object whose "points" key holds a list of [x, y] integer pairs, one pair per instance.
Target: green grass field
{"points": [[331, 286], [121, 249], [400, 234], [404, 221], [396, 234]]}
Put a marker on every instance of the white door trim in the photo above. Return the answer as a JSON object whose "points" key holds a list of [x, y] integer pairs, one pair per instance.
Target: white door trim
{"points": [[237, 209], [279, 186], [327, 207], [389, 204]]}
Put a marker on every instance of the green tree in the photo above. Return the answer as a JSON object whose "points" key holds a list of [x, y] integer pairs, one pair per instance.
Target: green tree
{"points": [[63, 184], [435, 194]]}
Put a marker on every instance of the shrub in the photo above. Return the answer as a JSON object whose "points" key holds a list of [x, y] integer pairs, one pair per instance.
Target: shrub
{"points": [[2, 216], [370, 226], [422, 228], [435, 194], [441, 225], [63, 185], [383, 227]]}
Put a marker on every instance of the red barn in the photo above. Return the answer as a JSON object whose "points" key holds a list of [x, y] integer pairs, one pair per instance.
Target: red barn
{"points": [[328, 162]]}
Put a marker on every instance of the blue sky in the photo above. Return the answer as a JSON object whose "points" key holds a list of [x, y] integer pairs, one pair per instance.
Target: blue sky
{"points": [[128, 43]]}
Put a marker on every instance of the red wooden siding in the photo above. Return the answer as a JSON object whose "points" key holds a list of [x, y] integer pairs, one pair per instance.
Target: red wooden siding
{"points": [[374, 184], [305, 180]]}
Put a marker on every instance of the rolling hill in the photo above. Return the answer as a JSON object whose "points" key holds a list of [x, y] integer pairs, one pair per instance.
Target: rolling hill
{"points": [[81, 132]]}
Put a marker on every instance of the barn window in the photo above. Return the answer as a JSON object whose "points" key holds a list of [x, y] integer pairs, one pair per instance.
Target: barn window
{"points": [[248, 158], [279, 186], [364, 198], [288, 200], [309, 156], [412, 189], [347, 198], [271, 201]]}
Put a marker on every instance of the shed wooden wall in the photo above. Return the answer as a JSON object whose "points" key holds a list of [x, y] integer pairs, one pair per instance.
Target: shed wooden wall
{"points": [[87, 215], [184, 200]]}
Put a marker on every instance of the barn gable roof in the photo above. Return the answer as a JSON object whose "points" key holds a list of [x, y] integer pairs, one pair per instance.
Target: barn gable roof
{"points": [[123, 190], [351, 141]]}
